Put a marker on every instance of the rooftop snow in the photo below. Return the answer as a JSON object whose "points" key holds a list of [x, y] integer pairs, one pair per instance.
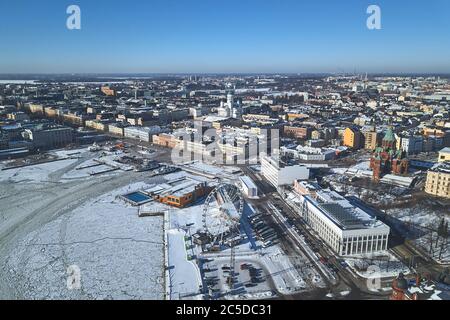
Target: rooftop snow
{"points": [[339, 210]]}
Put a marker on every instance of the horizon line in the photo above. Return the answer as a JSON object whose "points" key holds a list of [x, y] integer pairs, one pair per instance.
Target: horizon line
{"points": [[218, 73]]}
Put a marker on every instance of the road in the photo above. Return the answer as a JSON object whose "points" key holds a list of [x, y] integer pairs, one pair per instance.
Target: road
{"points": [[347, 279]]}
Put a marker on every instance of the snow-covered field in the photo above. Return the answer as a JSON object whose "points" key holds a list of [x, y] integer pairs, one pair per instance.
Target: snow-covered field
{"points": [[56, 218], [376, 265], [184, 274], [424, 218], [361, 169], [283, 272], [37, 173], [119, 255], [51, 226]]}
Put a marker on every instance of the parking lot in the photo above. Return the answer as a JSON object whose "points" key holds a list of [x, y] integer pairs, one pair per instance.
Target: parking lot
{"points": [[250, 278], [263, 233]]}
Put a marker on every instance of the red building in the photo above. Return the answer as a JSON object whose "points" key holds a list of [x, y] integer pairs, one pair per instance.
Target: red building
{"points": [[400, 289], [387, 159], [297, 132]]}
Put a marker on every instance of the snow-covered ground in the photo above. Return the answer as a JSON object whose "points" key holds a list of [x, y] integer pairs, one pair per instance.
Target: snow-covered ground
{"points": [[211, 171], [77, 164], [186, 269], [423, 218], [36, 173], [118, 254], [361, 169], [55, 218], [87, 172], [49, 223], [184, 275], [90, 167], [429, 291], [376, 265], [284, 274]]}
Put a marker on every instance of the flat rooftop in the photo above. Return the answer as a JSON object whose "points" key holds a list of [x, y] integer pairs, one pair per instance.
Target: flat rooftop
{"points": [[248, 182], [443, 167], [342, 213], [177, 188]]}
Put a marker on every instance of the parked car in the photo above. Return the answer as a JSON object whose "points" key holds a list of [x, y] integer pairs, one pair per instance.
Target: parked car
{"points": [[244, 266]]}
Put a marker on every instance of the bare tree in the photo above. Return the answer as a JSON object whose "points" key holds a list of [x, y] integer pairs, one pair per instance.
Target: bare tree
{"points": [[444, 242]]}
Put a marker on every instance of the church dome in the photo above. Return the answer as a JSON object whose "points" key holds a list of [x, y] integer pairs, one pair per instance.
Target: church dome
{"points": [[401, 283], [389, 136]]}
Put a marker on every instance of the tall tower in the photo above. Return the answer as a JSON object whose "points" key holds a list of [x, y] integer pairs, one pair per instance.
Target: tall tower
{"points": [[389, 141], [230, 100], [237, 110]]}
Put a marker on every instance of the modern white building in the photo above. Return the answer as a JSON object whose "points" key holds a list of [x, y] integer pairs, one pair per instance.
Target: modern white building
{"points": [[412, 144], [249, 187], [279, 174], [230, 100], [141, 133], [418, 144], [309, 154], [195, 112], [343, 225], [223, 110], [230, 108]]}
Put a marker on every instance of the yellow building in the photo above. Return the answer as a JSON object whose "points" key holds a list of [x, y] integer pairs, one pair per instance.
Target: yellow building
{"points": [[398, 142], [18, 116], [295, 116], [108, 91], [443, 124], [434, 132], [166, 140], [444, 155], [216, 124], [117, 129], [97, 125], [370, 140], [255, 130], [36, 108], [438, 180], [51, 112], [316, 135], [73, 118], [427, 109], [352, 138]]}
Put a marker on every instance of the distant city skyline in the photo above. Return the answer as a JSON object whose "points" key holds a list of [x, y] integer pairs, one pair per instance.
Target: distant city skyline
{"points": [[157, 36]]}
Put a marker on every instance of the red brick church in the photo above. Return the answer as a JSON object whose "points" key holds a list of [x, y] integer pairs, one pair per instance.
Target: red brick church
{"points": [[387, 159], [400, 289]]}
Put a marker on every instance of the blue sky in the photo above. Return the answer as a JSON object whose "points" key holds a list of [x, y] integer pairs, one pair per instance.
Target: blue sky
{"points": [[168, 36]]}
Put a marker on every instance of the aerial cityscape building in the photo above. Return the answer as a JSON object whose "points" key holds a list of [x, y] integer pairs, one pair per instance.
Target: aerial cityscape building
{"points": [[232, 180], [232, 151]]}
